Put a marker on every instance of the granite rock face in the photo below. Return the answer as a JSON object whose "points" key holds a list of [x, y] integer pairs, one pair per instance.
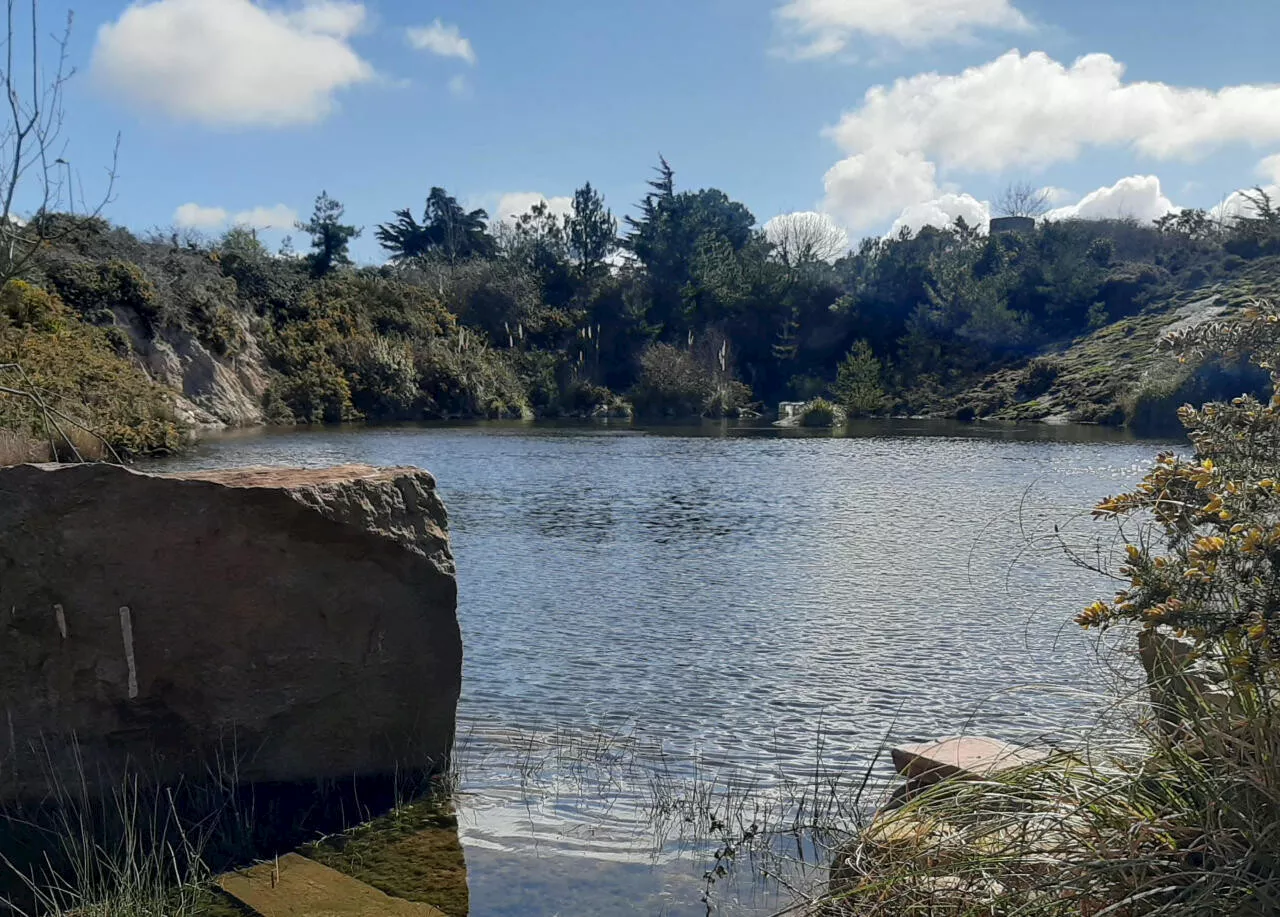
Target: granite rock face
{"points": [[270, 624]]}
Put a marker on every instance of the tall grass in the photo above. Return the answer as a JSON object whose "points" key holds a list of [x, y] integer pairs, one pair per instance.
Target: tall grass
{"points": [[128, 855], [142, 849]]}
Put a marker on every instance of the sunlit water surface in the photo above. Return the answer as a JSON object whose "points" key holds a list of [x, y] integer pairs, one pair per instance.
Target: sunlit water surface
{"points": [[656, 618]]}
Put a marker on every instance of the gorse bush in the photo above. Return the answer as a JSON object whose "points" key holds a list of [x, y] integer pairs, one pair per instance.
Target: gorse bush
{"points": [[1213, 571], [75, 369], [95, 288]]}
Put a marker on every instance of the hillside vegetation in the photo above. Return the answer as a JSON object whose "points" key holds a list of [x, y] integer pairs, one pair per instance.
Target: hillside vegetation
{"points": [[693, 309]]}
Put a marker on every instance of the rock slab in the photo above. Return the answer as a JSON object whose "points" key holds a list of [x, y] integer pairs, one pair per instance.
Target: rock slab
{"points": [[294, 886], [963, 757], [271, 624]]}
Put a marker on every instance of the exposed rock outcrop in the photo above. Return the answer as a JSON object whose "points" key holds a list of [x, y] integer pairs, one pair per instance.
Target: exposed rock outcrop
{"points": [[281, 624], [210, 390]]}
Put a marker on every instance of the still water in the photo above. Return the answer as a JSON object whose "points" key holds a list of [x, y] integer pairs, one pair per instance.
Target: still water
{"points": [[665, 624]]}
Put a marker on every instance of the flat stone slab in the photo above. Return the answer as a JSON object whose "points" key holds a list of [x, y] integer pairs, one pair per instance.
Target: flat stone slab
{"points": [[966, 757], [295, 886]]}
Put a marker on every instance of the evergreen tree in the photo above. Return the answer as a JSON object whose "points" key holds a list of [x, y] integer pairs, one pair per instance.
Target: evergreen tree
{"points": [[330, 237], [592, 230], [447, 230]]}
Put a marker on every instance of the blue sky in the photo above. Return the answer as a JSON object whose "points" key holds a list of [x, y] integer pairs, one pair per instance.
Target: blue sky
{"points": [[230, 109]]}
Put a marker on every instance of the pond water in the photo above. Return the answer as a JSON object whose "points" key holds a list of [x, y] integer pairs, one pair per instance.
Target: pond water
{"points": [[672, 633]]}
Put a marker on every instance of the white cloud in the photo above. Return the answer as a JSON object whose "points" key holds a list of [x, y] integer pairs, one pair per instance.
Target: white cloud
{"points": [[942, 211], [277, 217], [194, 216], [1138, 197], [821, 28], [459, 88], [197, 216], [330, 17], [865, 187], [1269, 169], [1054, 196], [1238, 203], [517, 203], [232, 63], [1025, 111], [441, 39]]}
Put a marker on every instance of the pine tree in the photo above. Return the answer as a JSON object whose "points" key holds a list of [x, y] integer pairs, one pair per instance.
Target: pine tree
{"points": [[330, 237]]}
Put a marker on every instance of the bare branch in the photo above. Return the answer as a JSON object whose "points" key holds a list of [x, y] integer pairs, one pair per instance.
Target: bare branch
{"points": [[1022, 199], [806, 238], [33, 166]]}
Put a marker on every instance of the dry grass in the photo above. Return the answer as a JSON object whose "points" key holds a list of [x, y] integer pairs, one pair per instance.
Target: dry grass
{"points": [[74, 444], [17, 449]]}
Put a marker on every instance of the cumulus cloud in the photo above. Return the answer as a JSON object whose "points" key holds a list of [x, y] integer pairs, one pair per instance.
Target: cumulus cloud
{"points": [[942, 212], [443, 40], [1054, 196], [197, 216], [276, 217], [232, 63], [1269, 169], [1242, 203], [1026, 111], [864, 188], [517, 203], [1138, 197], [820, 28]]}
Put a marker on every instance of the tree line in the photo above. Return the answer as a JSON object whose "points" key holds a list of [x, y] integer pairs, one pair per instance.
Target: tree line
{"points": [[691, 307]]}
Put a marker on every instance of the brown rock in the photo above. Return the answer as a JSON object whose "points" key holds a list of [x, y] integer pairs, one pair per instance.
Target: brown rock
{"points": [[293, 624]]}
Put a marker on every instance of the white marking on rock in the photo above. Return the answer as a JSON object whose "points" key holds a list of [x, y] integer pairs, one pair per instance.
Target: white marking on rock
{"points": [[126, 631], [62, 620]]}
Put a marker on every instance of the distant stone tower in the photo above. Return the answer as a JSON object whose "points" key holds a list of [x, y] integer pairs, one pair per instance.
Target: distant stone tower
{"points": [[1012, 224]]}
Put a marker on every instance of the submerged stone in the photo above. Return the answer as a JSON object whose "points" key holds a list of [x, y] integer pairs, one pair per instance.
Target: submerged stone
{"points": [[294, 886], [413, 853], [257, 626]]}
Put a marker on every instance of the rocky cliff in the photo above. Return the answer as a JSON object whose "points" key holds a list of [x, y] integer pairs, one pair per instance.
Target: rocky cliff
{"points": [[276, 624]]}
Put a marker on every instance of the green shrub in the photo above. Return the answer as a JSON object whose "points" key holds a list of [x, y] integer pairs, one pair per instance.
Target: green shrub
{"points": [[858, 381], [820, 413], [79, 372], [678, 383], [671, 384], [1038, 377], [463, 377], [382, 377], [90, 287]]}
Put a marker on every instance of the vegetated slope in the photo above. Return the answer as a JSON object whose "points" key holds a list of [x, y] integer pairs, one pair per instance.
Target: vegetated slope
{"points": [[699, 311], [141, 341], [1116, 374]]}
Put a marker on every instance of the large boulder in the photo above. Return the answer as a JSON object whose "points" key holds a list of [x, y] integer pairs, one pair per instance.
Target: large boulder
{"points": [[272, 624]]}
